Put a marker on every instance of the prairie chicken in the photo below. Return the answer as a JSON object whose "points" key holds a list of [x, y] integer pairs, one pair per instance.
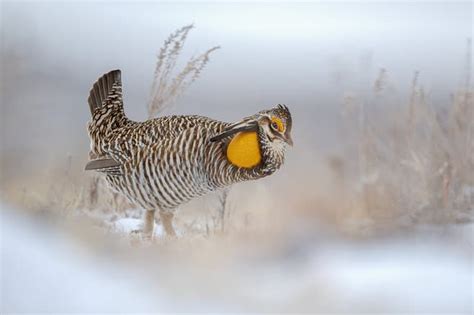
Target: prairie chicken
{"points": [[164, 162]]}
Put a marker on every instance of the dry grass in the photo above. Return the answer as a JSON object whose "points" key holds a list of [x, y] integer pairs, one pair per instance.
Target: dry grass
{"points": [[166, 88], [415, 161], [405, 162]]}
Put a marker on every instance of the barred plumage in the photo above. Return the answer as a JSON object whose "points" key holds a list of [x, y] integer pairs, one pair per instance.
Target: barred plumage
{"points": [[164, 162]]}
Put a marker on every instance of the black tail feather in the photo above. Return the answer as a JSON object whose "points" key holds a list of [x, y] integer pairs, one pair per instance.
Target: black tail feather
{"points": [[103, 88]]}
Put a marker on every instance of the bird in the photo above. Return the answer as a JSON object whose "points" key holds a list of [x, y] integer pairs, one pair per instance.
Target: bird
{"points": [[161, 163]]}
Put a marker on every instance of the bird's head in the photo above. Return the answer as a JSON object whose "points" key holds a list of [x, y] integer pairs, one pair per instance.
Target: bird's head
{"points": [[275, 126], [270, 128]]}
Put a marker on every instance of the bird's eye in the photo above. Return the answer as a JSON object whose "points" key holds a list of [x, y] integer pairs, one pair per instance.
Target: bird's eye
{"points": [[277, 124]]}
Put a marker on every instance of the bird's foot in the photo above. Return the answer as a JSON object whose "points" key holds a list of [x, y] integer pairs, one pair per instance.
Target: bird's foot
{"points": [[142, 236]]}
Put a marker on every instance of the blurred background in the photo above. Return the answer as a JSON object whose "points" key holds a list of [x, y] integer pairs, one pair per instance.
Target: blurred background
{"points": [[372, 211]]}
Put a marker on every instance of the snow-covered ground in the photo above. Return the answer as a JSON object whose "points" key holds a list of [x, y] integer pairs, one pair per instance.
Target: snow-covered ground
{"points": [[44, 269]]}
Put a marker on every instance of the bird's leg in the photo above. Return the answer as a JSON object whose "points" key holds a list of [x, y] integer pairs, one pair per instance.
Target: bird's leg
{"points": [[167, 221], [149, 223]]}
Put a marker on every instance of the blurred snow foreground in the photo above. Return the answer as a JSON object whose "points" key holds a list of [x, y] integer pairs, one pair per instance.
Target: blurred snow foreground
{"points": [[45, 269]]}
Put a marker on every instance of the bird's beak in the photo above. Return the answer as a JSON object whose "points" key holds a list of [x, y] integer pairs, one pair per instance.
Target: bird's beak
{"points": [[289, 140], [244, 125]]}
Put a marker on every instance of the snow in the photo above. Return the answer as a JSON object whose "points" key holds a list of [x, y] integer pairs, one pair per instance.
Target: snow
{"points": [[401, 279], [45, 270], [127, 226]]}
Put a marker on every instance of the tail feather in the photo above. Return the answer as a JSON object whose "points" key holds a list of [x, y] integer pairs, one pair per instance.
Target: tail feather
{"points": [[108, 86], [106, 106]]}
